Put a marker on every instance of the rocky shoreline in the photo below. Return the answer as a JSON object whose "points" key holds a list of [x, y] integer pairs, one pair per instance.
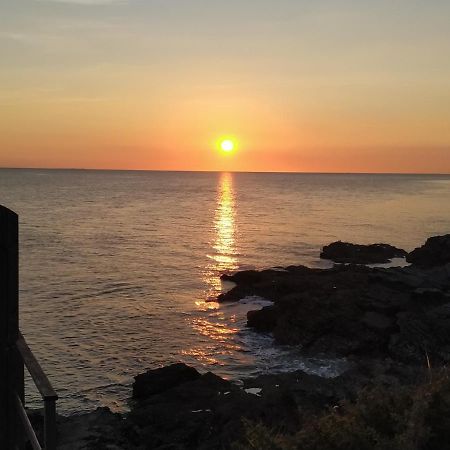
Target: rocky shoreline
{"points": [[392, 325], [401, 313]]}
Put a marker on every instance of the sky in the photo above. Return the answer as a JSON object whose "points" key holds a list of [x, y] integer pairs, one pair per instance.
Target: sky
{"points": [[299, 85]]}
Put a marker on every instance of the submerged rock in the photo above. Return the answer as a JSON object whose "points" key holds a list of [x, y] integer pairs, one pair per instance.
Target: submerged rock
{"points": [[345, 252], [435, 252]]}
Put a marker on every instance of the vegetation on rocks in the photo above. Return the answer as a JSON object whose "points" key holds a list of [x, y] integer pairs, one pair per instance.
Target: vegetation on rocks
{"points": [[408, 418]]}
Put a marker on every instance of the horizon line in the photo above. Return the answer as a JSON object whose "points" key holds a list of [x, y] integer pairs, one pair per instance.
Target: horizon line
{"points": [[82, 169]]}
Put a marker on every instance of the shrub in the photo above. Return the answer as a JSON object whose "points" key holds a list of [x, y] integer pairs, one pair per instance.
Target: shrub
{"points": [[406, 418]]}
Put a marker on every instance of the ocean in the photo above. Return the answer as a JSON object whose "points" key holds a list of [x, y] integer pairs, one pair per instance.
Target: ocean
{"points": [[117, 267]]}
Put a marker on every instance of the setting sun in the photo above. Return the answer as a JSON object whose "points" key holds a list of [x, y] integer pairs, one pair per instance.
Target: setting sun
{"points": [[227, 145], [208, 168]]}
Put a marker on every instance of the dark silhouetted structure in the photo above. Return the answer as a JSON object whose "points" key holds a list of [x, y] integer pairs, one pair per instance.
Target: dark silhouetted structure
{"points": [[15, 427]]}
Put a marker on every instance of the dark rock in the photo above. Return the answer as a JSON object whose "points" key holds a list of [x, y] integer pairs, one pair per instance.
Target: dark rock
{"points": [[235, 294], [246, 282], [430, 295], [208, 412], [377, 321], [385, 298], [159, 380], [353, 310], [244, 276], [99, 429], [392, 325], [264, 319], [435, 252], [344, 252]]}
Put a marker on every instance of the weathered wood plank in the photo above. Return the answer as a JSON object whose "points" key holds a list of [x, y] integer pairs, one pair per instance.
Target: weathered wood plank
{"points": [[37, 374], [29, 431]]}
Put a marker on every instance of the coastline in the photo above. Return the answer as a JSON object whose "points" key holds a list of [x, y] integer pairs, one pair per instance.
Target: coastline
{"points": [[389, 323], [109, 294]]}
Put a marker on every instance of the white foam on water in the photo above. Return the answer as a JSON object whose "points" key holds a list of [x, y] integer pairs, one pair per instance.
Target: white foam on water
{"points": [[259, 352], [254, 391]]}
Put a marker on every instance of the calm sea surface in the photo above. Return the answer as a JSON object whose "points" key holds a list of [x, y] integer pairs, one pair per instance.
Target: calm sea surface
{"points": [[116, 267]]}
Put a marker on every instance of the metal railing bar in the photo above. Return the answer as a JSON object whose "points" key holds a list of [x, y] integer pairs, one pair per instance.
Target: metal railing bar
{"points": [[29, 431], [37, 374]]}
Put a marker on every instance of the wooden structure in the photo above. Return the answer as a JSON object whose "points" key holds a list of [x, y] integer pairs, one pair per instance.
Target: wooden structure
{"points": [[15, 427]]}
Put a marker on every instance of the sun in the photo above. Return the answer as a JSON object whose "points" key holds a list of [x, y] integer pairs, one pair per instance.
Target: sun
{"points": [[227, 145]]}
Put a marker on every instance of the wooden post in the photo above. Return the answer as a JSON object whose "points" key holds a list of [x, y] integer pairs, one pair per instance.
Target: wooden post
{"points": [[49, 424], [11, 365]]}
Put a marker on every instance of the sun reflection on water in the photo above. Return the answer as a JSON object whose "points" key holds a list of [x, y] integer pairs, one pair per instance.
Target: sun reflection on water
{"points": [[215, 325], [224, 257]]}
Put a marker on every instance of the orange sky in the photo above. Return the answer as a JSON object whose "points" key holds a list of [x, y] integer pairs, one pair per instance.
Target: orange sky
{"points": [[322, 86]]}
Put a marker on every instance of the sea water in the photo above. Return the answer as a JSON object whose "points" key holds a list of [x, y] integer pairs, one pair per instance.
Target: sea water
{"points": [[116, 268]]}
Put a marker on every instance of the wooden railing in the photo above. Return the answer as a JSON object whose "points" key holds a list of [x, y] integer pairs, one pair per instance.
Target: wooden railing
{"points": [[15, 426], [48, 396]]}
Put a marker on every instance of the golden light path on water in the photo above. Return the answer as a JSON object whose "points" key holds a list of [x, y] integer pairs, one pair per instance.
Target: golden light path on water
{"points": [[223, 259]]}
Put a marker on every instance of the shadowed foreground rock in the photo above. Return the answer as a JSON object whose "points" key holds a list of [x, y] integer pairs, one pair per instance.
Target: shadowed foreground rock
{"points": [[208, 412]]}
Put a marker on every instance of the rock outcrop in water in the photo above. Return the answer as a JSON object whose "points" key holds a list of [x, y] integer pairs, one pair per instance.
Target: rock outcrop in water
{"points": [[160, 380], [345, 252], [392, 325], [435, 252], [398, 313]]}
